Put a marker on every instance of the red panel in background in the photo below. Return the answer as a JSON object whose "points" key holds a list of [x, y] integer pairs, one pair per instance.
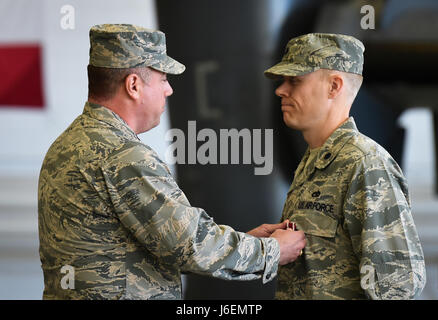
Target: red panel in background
{"points": [[21, 76]]}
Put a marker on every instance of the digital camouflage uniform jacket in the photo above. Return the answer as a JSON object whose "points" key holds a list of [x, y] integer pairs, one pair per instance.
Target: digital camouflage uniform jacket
{"points": [[352, 202], [109, 208]]}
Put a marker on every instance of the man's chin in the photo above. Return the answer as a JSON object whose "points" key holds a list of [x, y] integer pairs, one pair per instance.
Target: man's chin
{"points": [[290, 122]]}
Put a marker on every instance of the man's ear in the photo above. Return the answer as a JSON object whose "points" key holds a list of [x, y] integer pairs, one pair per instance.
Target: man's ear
{"points": [[133, 86], [336, 82]]}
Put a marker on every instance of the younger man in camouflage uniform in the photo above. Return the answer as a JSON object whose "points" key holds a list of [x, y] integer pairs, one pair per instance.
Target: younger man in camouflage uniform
{"points": [[348, 195], [112, 220]]}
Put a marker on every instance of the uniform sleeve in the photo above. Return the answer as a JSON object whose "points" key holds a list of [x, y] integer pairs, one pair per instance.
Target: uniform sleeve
{"points": [[151, 205], [378, 216]]}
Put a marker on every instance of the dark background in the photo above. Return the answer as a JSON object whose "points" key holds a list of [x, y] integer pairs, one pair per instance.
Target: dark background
{"points": [[228, 44]]}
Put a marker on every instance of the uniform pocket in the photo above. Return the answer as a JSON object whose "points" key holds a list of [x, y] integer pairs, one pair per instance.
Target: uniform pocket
{"points": [[319, 255], [315, 223]]}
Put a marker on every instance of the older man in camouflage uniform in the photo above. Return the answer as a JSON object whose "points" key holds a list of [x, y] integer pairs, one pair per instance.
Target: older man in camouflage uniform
{"points": [[348, 195], [113, 223]]}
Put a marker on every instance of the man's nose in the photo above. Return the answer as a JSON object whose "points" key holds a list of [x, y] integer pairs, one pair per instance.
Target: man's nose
{"points": [[169, 90], [282, 91]]}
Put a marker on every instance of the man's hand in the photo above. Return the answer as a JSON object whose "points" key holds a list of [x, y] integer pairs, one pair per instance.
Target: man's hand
{"points": [[265, 230], [291, 244]]}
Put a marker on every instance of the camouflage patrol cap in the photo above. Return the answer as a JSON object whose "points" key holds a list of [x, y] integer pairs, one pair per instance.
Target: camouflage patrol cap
{"points": [[313, 51], [129, 46]]}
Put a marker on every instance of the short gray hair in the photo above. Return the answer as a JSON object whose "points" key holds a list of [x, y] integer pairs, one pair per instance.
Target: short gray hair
{"points": [[103, 83]]}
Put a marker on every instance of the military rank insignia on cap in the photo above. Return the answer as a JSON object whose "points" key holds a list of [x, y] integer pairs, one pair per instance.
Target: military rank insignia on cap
{"points": [[129, 46], [313, 51]]}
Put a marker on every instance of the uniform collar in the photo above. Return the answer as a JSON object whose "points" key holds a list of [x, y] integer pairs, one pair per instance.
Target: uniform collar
{"points": [[335, 143], [101, 113], [328, 151]]}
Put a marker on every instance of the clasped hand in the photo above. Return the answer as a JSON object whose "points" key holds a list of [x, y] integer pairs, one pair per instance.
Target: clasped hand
{"points": [[291, 242]]}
